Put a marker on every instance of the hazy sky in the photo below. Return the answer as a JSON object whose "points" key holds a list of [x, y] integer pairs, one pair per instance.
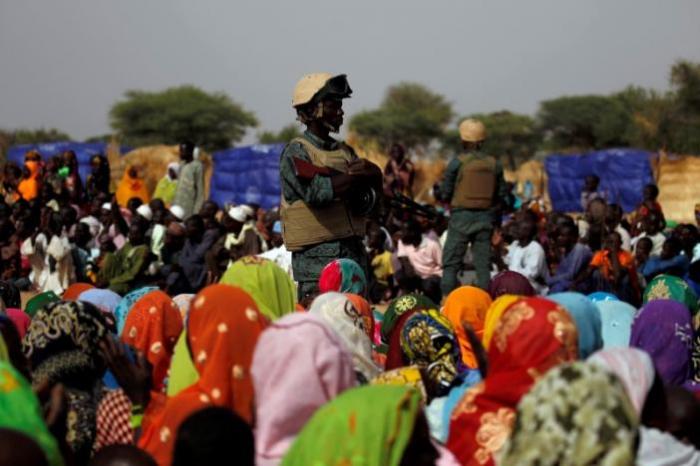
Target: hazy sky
{"points": [[63, 63]]}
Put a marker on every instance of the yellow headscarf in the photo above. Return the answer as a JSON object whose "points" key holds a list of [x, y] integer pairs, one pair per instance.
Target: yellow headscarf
{"points": [[493, 315], [467, 304]]}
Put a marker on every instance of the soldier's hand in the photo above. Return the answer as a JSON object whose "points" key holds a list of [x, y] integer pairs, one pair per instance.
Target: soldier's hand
{"points": [[363, 167]]}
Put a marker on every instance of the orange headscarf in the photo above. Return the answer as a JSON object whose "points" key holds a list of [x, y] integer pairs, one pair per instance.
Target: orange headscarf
{"points": [[467, 304], [29, 188], [74, 290], [493, 316], [365, 311], [533, 336], [131, 187], [223, 327], [153, 326]]}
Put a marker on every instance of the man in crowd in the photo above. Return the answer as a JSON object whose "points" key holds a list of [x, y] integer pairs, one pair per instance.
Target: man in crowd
{"points": [[189, 194]]}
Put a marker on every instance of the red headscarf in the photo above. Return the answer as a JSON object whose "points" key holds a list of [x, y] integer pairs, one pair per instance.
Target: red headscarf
{"points": [[532, 336], [223, 327], [74, 290], [394, 356], [153, 326]]}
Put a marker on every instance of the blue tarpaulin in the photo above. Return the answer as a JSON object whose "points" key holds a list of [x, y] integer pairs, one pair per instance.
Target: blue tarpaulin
{"points": [[83, 151], [247, 174], [623, 174]]}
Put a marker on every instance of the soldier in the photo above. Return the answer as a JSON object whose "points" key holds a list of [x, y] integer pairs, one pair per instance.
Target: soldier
{"points": [[319, 176], [476, 190]]}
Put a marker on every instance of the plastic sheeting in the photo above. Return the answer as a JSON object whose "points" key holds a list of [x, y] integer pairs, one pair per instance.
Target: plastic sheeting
{"points": [[679, 189], [247, 175], [84, 151], [623, 174]]}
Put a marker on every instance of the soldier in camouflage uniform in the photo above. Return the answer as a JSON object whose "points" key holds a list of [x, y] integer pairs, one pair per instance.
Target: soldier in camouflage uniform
{"points": [[317, 174], [474, 185]]}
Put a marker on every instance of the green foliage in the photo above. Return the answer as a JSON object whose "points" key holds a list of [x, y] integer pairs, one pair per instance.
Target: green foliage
{"points": [[36, 136], [211, 120], [410, 113], [284, 135]]}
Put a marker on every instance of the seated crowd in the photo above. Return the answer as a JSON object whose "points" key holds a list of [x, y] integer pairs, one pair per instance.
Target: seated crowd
{"points": [[154, 336]]}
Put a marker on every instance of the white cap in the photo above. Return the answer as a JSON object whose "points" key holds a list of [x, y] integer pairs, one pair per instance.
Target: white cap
{"points": [[145, 211], [248, 210], [178, 212], [106, 206], [238, 214]]}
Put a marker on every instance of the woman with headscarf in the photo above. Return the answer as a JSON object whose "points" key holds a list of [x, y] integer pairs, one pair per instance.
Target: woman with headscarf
{"points": [[510, 282], [670, 287], [100, 177], [533, 335], [132, 185], [166, 187], [74, 290], [587, 318], [298, 354], [126, 303], [493, 316], [372, 426], [399, 310], [616, 319], [338, 312], [223, 328], [62, 347], [343, 276], [38, 302], [663, 329], [468, 304], [28, 188], [104, 299], [578, 414]]}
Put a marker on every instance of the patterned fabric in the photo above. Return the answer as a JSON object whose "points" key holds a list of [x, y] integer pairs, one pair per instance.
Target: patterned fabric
{"points": [[74, 290], [268, 284], [367, 426], [401, 305], [670, 287], [663, 329], [616, 318], [493, 316], [577, 415], [365, 310], [509, 282], [533, 335], [337, 311], [10, 295], [428, 341], [105, 300], [343, 276], [468, 304], [409, 376], [223, 327], [127, 303], [633, 367], [39, 301], [587, 318], [21, 411], [297, 354], [152, 327], [62, 347], [114, 420]]}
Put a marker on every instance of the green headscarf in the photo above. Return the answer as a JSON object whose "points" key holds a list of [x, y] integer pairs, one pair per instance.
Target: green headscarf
{"points": [[670, 287], [401, 305], [39, 301], [578, 414], [366, 426], [4, 354], [271, 288], [21, 412], [182, 370]]}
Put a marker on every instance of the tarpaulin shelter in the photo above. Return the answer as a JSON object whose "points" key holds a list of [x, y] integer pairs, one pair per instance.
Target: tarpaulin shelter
{"points": [[247, 175], [679, 189], [623, 174], [84, 151]]}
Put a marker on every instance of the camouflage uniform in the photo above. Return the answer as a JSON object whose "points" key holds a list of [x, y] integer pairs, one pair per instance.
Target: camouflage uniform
{"points": [[466, 226], [308, 263]]}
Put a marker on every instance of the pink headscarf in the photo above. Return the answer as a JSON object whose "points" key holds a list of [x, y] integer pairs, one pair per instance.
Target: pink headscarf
{"points": [[20, 319], [299, 365]]}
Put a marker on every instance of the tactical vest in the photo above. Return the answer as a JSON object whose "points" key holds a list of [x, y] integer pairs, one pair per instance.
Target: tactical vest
{"points": [[304, 225], [476, 182]]}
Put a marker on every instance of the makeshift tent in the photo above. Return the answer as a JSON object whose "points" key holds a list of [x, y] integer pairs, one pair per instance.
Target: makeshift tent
{"points": [[678, 177], [83, 151], [247, 175], [623, 174]]}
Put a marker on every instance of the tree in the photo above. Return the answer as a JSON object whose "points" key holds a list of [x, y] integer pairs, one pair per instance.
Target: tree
{"points": [[10, 138], [410, 113], [511, 135], [583, 122], [211, 120], [284, 135]]}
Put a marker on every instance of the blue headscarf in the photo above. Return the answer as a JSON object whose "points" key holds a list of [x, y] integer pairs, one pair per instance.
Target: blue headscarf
{"points": [[599, 296], [127, 303], [587, 318], [617, 318], [105, 300]]}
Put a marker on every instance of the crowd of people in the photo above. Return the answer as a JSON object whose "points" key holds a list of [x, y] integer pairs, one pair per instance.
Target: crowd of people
{"points": [[164, 329]]}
